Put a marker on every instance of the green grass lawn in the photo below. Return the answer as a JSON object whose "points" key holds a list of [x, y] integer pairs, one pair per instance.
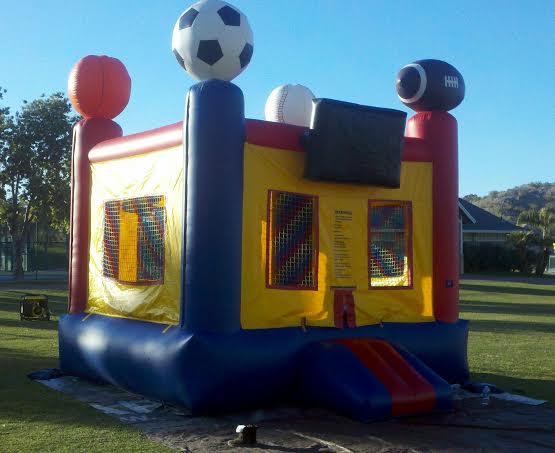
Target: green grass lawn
{"points": [[512, 344], [34, 418], [512, 335]]}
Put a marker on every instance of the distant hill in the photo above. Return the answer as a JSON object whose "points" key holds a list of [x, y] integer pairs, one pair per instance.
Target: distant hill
{"points": [[508, 204]]}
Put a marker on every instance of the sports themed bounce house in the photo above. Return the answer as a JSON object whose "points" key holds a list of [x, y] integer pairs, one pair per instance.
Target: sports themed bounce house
{"points": [[223, 263]]}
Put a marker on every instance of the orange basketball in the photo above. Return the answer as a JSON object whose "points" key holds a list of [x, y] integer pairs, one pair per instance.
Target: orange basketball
{"points": [[99, 86]]}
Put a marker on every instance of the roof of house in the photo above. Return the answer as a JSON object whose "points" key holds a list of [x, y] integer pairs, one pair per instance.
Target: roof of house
{"points": [[483, 221]]}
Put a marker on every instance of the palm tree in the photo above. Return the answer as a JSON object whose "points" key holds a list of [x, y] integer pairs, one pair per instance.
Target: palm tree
{"points": [[542, 220], [522, 241]]}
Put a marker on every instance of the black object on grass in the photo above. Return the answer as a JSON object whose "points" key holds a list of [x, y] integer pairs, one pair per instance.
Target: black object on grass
{"points": [[247, 436], [34, 306]]}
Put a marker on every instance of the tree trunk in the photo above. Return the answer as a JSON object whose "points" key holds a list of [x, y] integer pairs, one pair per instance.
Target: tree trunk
{"points": [[524, 267], [540, 264], [538, 271], [46, 243], [17, 247]]}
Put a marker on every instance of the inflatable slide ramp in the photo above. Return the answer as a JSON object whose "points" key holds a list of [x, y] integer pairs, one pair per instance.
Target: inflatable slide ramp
{"points": [[370, 379]]}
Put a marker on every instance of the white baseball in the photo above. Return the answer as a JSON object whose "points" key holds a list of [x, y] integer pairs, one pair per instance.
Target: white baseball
{"points": [[291, 104]]}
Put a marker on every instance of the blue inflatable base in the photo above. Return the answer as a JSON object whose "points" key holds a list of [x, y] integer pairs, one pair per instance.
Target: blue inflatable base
{"points": [[214, 373]]}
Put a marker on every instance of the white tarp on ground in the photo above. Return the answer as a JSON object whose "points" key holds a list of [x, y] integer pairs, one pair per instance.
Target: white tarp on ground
{"points": [[504, 425]]}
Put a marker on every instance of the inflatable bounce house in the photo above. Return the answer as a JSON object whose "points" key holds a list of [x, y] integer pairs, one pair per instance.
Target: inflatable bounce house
{"points": [[223, 263]]}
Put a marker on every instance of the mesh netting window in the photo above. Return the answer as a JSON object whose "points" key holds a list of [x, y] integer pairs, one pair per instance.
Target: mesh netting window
{"points": [[390, 244], [133, 240], [292, 241]]}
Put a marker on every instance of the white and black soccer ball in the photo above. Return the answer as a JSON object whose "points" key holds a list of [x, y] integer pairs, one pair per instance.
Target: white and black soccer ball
{"points": [[213, 40]]}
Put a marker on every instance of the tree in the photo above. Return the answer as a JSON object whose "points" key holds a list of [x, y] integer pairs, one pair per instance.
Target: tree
{"points": [[543, 221], [472, 198], [522, 241], [511, 202], [35, 161]]}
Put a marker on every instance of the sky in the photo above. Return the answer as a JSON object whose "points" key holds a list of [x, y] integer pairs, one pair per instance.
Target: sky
{"points": [[349, 50]]}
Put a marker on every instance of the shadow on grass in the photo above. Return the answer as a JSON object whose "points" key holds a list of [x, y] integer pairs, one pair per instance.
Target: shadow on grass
{"points": [[10, 300], [507, 290], [487, 325], [23, 400], [507, 308], [28, 324], [547, 279], [60, 284], [20, 336], [533, 388]]}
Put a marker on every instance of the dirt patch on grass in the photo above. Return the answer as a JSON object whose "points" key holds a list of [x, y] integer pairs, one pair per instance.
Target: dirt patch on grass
{"points": [[504, 426]]}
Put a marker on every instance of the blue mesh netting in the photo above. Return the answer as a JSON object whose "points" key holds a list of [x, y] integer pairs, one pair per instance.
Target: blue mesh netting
{"points": [[151, 218], [292, 248], [388, 241]]}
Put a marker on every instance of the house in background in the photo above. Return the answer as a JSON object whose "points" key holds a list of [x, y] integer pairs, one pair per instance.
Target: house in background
{"points": [[478, 225]]}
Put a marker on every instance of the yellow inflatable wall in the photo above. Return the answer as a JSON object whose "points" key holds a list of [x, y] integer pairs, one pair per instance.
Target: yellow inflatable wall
{"points": [[136, 236], [342, 246]]}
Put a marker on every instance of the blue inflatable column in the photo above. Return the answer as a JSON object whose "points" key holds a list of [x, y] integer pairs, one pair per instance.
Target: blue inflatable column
{"points": [[213, 140]]}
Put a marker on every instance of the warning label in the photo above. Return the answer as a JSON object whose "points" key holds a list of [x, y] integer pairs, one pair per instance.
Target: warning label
{"points": [[343, 247]]}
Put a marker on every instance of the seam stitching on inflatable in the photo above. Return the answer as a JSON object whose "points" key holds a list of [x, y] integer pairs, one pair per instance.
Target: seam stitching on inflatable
{"points": [[282, 104], [86, 317]]}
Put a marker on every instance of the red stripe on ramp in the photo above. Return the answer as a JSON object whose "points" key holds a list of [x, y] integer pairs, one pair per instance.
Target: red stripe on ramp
{"points": [[423, 393], [410, 392]]}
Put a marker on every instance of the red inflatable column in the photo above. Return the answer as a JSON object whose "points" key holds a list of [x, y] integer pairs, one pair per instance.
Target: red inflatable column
{"points": [[86, 134], [99, 89], [439, 130]]}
